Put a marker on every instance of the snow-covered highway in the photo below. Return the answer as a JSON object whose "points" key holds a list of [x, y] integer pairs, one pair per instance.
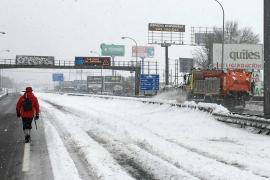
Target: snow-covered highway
{"points": [[90, 137]]}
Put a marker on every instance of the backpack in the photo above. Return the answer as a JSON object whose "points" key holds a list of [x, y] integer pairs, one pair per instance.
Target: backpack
{"points": [[27, 104]]}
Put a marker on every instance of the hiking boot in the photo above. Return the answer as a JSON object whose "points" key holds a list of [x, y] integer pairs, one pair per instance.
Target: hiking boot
{"points": [[27, 138]]}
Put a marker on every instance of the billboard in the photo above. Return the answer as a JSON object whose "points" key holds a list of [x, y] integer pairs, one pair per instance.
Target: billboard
{"points": [[93, 61], [239, 56], [94, 79], [186, 64], [166, 27], [143, 51], [34, 60], [112, 50], [94, 83], [203, 38]]}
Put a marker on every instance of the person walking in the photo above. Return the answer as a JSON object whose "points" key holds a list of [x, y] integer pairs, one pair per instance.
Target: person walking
{"points": [[27, 108]]}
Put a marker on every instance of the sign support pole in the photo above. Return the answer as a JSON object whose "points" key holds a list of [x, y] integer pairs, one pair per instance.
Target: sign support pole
{"points": [[137, 80], [113, 65], [142, 64], [166, 45]]}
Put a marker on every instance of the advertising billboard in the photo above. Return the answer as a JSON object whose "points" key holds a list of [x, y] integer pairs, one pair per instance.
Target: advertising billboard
{"points": [[166, 27], [203, 38], [34, 60], [143, 51], [239, 56], [112, 50]]}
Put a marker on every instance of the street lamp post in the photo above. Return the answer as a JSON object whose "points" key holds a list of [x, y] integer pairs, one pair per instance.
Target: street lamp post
{"points": [[136, 45], [95, 52], [223, 35]]}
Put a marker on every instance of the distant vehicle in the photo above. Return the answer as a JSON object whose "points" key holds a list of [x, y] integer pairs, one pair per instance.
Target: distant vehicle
{"points": [[228, 87]]}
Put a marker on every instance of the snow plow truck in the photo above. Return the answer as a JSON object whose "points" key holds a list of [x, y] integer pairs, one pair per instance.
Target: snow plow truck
{"points": [[230, 87]]}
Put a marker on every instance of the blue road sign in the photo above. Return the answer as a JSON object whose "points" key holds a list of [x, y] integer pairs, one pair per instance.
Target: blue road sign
{"points": [[149, 82], [58, 77]]}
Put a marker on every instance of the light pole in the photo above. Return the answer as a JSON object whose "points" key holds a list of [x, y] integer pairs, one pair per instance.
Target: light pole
{"points": [[95, 52], [223, 35], [136, 45]]}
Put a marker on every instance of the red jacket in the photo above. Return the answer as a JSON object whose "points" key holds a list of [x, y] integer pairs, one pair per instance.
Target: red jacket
{"points": [[35, 109]]}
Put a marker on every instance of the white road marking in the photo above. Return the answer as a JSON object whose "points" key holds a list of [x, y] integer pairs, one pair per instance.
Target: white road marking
{"points": [[26, 158]]}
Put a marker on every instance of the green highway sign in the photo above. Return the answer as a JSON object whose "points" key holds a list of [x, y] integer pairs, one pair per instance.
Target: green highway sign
{"points": [[112, 50], [112, 79]]}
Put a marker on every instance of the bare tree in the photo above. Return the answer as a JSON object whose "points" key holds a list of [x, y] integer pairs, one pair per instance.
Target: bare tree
{"points": [[233, 35], [201, 58]]}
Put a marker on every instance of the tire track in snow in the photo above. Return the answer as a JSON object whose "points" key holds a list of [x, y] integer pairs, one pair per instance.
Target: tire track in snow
{"points": [[78, 160], [195, 169], [129, 157], [144, 165], [97, 158], [62, 165], [182, 145]]}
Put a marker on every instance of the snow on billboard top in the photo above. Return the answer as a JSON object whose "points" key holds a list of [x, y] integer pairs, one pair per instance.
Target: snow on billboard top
{"points": [[34, 60], [239, 56]]}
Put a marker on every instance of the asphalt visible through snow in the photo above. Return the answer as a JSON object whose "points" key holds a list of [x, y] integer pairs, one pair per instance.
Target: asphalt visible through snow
{"points": [[20, 161]]}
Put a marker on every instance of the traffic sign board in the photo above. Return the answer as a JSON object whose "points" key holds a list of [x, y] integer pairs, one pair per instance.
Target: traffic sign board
{"points": [[58, 77], [149, 82], [112, 50]]}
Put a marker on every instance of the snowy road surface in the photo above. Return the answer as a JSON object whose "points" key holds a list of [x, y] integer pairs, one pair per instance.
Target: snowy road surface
{"points": [[125, 139]]}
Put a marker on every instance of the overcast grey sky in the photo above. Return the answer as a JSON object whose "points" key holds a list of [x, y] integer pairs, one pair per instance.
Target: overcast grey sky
{"points": [[68, 28]]}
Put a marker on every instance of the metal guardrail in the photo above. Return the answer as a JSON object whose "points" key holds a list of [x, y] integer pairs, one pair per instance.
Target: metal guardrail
{"points": [[244, 120]]}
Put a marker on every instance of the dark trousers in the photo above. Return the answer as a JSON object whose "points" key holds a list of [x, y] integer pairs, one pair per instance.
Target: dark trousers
{"points": [[27, 123]]}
